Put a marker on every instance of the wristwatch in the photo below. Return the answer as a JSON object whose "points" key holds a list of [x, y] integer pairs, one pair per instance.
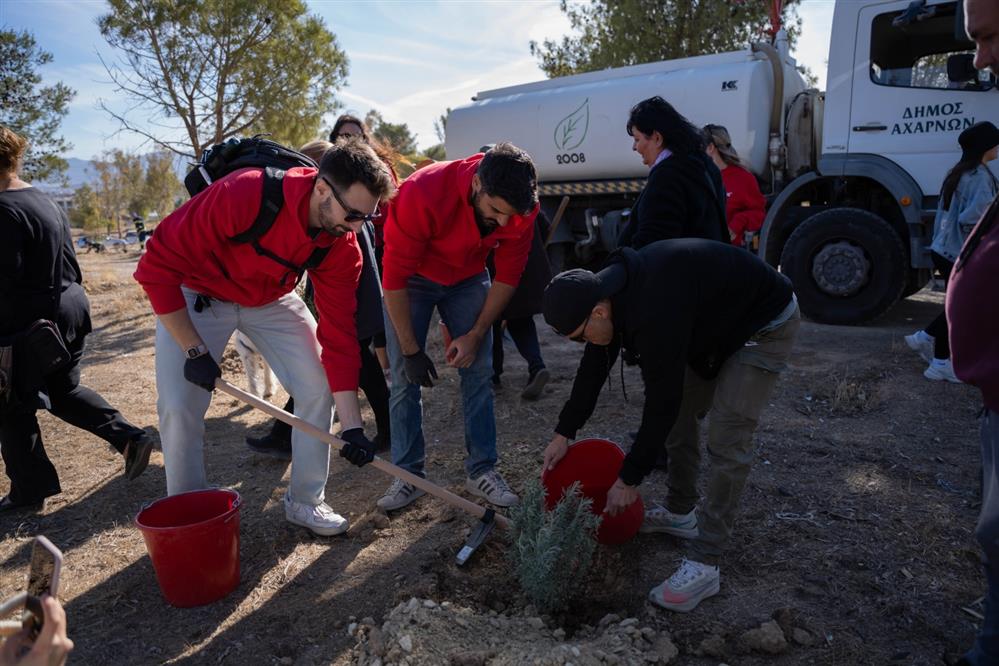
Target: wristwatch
{"points": [[196, 351]]}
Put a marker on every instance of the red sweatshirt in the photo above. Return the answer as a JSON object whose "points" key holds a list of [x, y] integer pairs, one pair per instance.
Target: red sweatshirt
{"points": [[973, 310], [191, 247], [746, 207], [431, 231]]}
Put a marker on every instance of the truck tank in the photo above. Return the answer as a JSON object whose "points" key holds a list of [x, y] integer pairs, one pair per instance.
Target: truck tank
{"points": [[574, 127]]}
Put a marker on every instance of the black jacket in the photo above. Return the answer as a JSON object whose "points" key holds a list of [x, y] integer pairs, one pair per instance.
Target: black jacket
{"points": [[369, 318], [36, 247], [685, 302], [684, 197], [526, 300]]}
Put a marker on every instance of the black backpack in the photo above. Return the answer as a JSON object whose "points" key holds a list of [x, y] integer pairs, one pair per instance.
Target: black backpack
{"points": [[274, 159]]}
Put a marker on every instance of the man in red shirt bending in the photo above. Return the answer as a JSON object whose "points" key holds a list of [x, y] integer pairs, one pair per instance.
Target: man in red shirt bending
{"points": [[203, 285], [446, 219]]}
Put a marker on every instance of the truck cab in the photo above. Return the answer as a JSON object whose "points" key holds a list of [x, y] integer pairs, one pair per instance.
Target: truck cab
{"points": [[854, 234]]}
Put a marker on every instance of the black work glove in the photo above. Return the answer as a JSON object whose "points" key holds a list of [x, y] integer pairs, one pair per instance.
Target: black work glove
{"points": [[419, 369], [358, 449], [203, 371]]}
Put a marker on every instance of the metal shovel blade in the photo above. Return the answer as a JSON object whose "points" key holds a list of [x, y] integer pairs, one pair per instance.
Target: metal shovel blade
{"points": [[475, 539]]}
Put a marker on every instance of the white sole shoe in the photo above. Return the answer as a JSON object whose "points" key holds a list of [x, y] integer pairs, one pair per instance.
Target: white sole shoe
{"points": [[922, 347], [933, 374], [399, 499]]}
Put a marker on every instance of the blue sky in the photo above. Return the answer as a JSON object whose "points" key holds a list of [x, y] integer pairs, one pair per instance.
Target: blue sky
{"points": [[410, 59]]}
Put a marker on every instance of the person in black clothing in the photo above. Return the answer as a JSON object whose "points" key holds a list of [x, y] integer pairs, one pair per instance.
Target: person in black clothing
{"points": [[370, 324], [519, 318], [684, 196], [711, 327], [41, 279]]}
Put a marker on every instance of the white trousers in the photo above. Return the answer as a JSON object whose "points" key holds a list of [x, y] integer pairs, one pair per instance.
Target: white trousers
{"points": [[285, 333]]}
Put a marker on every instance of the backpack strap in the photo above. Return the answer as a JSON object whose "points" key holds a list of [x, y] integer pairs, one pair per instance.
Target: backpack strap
{"points": [[271, 201], [316, 258]]}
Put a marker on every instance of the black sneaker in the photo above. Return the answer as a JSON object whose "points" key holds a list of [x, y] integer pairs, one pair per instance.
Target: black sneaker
{"points": [[535, 385], [7, 504], [136, 454], [269, 445]]}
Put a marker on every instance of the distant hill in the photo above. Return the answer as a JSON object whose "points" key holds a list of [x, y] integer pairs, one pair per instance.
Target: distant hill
{"points": [[80, 172]]}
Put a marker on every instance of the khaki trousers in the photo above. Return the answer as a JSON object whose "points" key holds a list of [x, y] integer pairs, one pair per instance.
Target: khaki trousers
{"points": [[735, 398]]}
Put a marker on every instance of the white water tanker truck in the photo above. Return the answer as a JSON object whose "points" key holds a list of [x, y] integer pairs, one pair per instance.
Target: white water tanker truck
{"points": [[852, 175]]}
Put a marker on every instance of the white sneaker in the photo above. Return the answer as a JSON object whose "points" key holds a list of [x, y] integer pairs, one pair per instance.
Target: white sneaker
{"points": [[321, 519], [941, 370], [921, 342], [689, 585], [659, 519], [492, 488], [398, 495]]}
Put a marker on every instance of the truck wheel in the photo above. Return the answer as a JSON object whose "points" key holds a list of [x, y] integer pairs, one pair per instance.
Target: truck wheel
{"points": [[847, 266]]}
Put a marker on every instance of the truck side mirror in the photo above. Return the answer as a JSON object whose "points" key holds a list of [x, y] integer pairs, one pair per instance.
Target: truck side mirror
{"points": [[961, 68]]}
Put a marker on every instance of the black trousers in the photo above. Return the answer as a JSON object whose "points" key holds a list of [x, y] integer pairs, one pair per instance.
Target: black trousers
{"points": [[32, 475], [371, 381], [525, 336], [938, 327]]}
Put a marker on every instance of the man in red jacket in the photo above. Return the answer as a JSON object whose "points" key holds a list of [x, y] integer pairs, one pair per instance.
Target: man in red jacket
{"points": [[203, 285], [446, 219]]}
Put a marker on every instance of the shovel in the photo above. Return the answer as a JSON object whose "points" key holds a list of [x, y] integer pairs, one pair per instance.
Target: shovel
{"points": [[487, 517]]}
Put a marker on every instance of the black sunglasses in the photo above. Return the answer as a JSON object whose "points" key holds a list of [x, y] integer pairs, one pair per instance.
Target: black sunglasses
{"points": [[352, 215]]}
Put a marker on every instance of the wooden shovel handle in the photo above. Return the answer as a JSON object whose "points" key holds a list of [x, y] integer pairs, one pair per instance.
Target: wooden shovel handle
{"points": [[557, 220], [336, 443]]}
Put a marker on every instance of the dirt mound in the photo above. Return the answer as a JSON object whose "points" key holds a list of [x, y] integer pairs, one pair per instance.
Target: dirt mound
{"points": [[422, 631]]}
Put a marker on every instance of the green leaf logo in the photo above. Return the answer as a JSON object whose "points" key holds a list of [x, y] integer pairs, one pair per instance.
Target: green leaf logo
{"points": [[571, 130]]}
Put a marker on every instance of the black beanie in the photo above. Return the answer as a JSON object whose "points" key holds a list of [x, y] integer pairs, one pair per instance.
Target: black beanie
{"points": [[569, 298], [979, 139]]}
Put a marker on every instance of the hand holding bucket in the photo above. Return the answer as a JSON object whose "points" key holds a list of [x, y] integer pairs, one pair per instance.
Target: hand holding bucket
{"points": [[595, 464]]}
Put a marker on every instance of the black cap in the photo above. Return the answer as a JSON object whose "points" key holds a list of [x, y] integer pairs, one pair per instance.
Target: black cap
{"points": [[979, 139], [569, 298]]}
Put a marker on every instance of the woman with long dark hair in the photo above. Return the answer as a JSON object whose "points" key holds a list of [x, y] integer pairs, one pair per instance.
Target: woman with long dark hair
{"points": [[347, 126], [967, 191], [684, 196]]}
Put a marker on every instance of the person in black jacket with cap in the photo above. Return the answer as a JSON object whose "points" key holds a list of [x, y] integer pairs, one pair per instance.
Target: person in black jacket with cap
{"points": [[711, 327]]}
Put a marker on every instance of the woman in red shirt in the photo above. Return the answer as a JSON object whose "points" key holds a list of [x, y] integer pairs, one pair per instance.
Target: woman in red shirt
{"points": [[745, 208]]}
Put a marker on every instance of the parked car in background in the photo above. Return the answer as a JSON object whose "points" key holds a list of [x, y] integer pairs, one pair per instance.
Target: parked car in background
{"points": [[111, 243]]}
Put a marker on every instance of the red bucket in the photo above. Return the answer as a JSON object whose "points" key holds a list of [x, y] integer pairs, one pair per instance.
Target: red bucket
{"points": [[193, 541], [595, 464]]}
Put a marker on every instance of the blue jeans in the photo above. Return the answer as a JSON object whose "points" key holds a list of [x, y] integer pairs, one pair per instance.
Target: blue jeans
{"points": [[986, 647], [459, 306]]}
